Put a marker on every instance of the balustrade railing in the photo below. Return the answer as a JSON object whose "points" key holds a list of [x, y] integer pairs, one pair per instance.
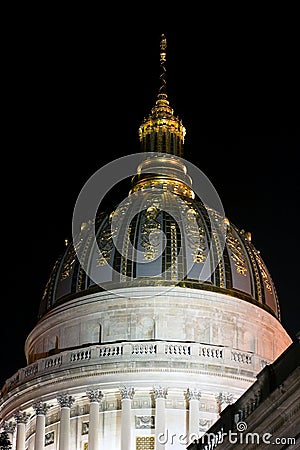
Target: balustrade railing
{"points": [[127, 351]]}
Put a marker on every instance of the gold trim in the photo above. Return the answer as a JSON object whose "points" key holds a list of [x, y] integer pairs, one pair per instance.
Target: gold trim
{"points": [[163, 183]]}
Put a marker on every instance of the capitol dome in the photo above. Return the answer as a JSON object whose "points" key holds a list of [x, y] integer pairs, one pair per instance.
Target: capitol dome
{"points": [[161, 235], [165, 234], [158, 314]]}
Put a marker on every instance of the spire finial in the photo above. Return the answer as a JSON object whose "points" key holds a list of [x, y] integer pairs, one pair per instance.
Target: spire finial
{"points": [[163, 81], [161, 131]]}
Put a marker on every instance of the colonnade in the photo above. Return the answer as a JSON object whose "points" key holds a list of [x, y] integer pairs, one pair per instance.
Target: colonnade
{"points": [[95, 396]]}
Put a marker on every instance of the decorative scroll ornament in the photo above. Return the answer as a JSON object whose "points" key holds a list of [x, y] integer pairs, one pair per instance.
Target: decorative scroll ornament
{"points": [[49, 438], [40, 408], [22, 417], [109, 233], [106, 246], [151, 233], [193, 394], [144, 422], [65, 400], [204, 424], [255, 269], [68, 263], [237, 253], [218, 231], [127, 392], [73, 250], [9, 427], [195, 236], [85, 428], [225, 397], [50, 283], [160, 392], [174, 249], [95, 395], [263, 270]]}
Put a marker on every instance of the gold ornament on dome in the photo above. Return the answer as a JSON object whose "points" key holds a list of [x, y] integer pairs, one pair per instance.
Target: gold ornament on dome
{"points": [[195, 236], [174, 249], [251, 251], [106, 245], [219, 250], [163, 183], [237, 253], [68, 264], [106, 237], [151, 233], [219, 226], [125, 255], [70, 259], [263, 271]]}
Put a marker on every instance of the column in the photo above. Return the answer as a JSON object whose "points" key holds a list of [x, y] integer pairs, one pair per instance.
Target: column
{"points": [[9, 428], [160, 395], [95, 397], [40, 411], [65, 401], [21, 419], [193, 396], [127, 393]]}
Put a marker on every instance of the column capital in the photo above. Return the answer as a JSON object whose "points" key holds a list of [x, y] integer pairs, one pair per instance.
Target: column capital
{"points": [[160, 392], [193, 394], [9, 427], [225, 397], [127, 392], [65, 400], [40, 408], [22, 417], [94, 395]]}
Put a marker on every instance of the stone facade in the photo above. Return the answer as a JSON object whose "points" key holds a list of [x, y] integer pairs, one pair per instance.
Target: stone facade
{"points": [[191, 315], [201, 349]]}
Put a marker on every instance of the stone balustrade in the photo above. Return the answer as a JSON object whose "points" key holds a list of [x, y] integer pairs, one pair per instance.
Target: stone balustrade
{"points": [[129, 352]]}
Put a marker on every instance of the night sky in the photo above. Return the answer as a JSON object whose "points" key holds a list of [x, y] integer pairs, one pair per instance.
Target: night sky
{"points": [[77, 96]]}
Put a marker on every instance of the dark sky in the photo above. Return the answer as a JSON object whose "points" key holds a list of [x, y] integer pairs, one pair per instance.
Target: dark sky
{"points": [[76, 97]]}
